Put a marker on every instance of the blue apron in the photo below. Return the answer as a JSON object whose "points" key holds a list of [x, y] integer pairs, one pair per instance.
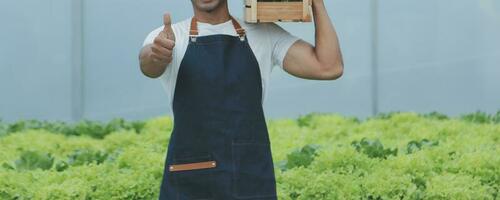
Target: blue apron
{"points": [[219, 148]]}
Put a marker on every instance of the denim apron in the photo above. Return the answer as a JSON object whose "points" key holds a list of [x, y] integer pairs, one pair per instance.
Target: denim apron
{"points": [[219, 148]]}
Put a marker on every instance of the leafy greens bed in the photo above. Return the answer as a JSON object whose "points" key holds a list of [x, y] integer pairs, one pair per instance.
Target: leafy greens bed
{"points": [[317, 156]]}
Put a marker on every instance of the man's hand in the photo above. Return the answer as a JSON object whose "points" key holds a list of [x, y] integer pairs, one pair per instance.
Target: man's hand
{"points": [[164, 43], [155, 57]]}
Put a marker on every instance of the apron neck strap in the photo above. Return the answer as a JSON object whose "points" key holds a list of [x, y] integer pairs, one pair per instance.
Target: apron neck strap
{"points": [[193, 32]]}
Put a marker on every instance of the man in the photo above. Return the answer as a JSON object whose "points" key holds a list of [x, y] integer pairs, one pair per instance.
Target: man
{"points": [[216, 72]]}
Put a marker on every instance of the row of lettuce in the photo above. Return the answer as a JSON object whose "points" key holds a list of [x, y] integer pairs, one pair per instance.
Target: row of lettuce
{"points": [[99, 130], [398, 155]]}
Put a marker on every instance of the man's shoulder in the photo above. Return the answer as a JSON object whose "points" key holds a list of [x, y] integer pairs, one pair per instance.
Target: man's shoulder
{"points": [[267, 28], [252, 27]]}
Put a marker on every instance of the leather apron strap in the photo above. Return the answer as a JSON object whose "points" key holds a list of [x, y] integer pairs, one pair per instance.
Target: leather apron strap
{"points": [[193, 32]]}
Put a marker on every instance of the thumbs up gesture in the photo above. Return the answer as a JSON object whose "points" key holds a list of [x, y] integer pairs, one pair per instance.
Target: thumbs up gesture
{"points": [[164, 43]]}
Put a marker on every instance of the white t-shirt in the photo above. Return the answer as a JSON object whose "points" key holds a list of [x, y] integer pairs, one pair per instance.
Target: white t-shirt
{"points": [[268, 41]]}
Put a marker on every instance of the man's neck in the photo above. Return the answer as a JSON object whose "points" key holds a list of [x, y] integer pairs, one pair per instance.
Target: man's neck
{"points": [[217, 16]]}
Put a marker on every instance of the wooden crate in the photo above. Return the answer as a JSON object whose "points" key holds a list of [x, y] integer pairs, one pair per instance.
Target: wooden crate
{"points": [[257, 11]]}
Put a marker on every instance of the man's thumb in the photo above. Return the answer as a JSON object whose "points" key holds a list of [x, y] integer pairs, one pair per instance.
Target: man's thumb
{"points": [[167, 21]]}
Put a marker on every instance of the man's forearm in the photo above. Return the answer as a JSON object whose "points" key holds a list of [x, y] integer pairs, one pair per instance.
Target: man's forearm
{"points": [[327, 48], [149, 67]]}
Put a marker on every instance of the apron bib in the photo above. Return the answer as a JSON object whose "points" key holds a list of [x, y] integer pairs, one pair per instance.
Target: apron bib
{"points": [[219, 148]]}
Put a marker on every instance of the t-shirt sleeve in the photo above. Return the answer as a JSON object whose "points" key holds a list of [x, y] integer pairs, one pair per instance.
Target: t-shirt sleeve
{"points": [[281, 41]]}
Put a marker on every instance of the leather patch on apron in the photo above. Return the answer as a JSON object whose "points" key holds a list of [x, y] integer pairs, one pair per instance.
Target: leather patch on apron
{"points": [[192, 166]]}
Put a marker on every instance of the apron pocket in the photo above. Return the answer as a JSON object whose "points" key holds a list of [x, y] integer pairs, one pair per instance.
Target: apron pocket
{"points": [[194, 177], [253, 170]]}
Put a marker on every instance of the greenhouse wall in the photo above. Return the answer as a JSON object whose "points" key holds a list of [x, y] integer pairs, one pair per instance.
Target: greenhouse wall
{"points": [[70, 60]]}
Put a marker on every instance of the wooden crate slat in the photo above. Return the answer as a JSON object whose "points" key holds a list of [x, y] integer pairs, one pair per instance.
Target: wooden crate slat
{"points": [[272, 11], [306, 12], [251, 10], [267, 11]]}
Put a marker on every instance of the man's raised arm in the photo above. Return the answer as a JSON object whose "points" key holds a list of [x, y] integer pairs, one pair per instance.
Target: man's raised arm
{"points": [[322, 61]]}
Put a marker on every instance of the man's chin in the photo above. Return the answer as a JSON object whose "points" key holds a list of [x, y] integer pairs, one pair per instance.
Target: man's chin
{"points": [[207, 5], [207, 8]]}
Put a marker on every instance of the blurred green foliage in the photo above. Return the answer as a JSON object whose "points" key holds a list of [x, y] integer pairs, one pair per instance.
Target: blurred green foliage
{"points": [[399, 155], [94, 129]]}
